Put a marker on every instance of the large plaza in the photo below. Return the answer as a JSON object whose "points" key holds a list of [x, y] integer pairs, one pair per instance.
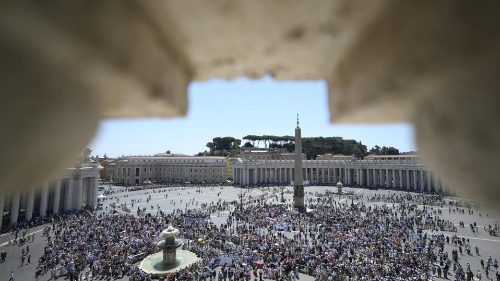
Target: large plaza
{"points": [[219, 211]]}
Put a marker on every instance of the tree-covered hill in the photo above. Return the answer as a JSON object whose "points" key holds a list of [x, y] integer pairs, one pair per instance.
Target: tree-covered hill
{"points": [[312, 147]]}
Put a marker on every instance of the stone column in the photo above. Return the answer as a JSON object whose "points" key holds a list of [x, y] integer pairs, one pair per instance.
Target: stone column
{"points": [[422, 182], [247, 176], [401, 179], [349, 176], [394, 178], [407, 179], [347, 172], [43, 200], [244, 176], [68, 195], [239, 177], [57, 197], [285, 176], [387, 178], [363, 178], [281, 172], [94, 187], [415, 180], [1, 210], [236, 172], [375, 176], [14, 207], [381, 177], [255, 176], [78, 193], [358, 177], [429, 181], [30, 201], [368, 179]]}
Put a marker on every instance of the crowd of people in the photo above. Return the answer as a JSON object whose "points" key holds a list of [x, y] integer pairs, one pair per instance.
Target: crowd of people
{"points": [[342, 238], [380, 236]]}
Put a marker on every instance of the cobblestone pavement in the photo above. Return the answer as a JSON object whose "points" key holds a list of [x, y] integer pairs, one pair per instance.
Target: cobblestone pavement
{"points": [[488, 245]]}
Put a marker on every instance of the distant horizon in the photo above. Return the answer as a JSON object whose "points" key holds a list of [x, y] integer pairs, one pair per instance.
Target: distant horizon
{"points": [[237, 108]]}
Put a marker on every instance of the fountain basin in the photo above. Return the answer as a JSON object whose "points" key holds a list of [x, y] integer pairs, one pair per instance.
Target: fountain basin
{"points": [[154, 265]]}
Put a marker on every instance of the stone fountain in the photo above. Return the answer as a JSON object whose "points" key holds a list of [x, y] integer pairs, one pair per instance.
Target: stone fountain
{"points": [[339, 187], [171, 258]]}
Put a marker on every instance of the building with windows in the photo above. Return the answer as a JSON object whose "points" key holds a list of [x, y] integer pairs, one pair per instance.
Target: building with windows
{"points": [[77, 189], [168, 168], [407, 173]]}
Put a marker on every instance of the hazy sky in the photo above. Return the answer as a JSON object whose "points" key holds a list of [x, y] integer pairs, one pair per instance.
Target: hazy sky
{"points": [[238, 108]]}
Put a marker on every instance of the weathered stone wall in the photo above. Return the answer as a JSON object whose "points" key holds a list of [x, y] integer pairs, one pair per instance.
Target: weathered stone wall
{"points": [[65, 65]]}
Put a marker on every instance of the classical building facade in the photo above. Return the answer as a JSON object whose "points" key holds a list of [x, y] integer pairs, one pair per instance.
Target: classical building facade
{"points": [[168, 169], [74, 191], [407, 173]]}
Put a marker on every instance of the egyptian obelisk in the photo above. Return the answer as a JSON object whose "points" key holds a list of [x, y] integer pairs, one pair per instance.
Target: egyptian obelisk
{"points": [[298, 183]]}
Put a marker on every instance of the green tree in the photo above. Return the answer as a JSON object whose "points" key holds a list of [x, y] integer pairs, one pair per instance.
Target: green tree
{"points": [[248, 144]]}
